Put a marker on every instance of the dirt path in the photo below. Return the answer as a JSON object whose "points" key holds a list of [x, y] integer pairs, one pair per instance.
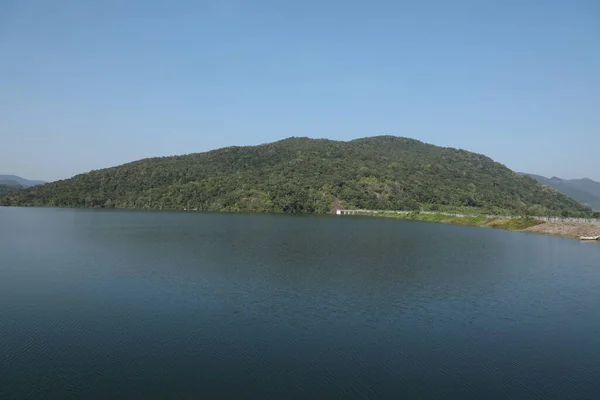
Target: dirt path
{"points": [[566, 229]]}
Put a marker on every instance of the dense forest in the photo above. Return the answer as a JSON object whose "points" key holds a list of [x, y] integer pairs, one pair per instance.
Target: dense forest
{"points": [[309, 175]]}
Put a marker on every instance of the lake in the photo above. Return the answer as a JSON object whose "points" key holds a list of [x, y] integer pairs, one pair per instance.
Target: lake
{"points": [[156, 305]]}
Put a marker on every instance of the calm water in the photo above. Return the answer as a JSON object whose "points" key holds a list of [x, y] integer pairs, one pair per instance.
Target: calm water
{"points": [[115, 304]]}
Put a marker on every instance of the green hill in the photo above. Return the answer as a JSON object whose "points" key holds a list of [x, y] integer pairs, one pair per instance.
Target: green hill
{"points": [[309, 175]]}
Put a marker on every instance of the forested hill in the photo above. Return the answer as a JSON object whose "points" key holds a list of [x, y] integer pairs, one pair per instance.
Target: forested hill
{"points": [[308, 175]]}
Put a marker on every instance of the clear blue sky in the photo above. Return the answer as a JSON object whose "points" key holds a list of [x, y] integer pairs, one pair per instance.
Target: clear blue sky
{"points": [[92, 84]]}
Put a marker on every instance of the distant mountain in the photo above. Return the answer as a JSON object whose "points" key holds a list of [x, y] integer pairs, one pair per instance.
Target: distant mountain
{"points": [[587, 185], [7, 179], [585, 191], [9, 186], [299, 175]]}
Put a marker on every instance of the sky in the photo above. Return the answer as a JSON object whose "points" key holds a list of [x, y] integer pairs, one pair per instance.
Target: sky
{"points": [[92, 84]]}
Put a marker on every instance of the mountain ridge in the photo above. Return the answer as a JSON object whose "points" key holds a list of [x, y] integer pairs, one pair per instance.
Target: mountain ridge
{"points": [[21, 181], [12, 183], [585, 190], [309, 175]]}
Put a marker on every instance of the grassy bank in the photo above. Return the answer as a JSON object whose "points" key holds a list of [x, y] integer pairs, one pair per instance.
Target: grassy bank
{"points": [[517, 224]]}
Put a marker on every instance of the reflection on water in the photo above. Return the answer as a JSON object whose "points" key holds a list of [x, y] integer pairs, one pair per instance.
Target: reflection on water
{"points": [[119, 304]]}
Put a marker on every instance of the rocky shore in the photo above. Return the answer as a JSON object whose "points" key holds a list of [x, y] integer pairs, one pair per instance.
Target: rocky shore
{"points": [[573, 230]]}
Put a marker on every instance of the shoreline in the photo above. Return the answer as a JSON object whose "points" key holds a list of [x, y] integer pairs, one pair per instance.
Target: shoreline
{"points": [[565, 229], [568, 230]]}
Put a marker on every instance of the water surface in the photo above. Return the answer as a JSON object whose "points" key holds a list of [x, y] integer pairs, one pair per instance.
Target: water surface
{"points": [[119, 304]]}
